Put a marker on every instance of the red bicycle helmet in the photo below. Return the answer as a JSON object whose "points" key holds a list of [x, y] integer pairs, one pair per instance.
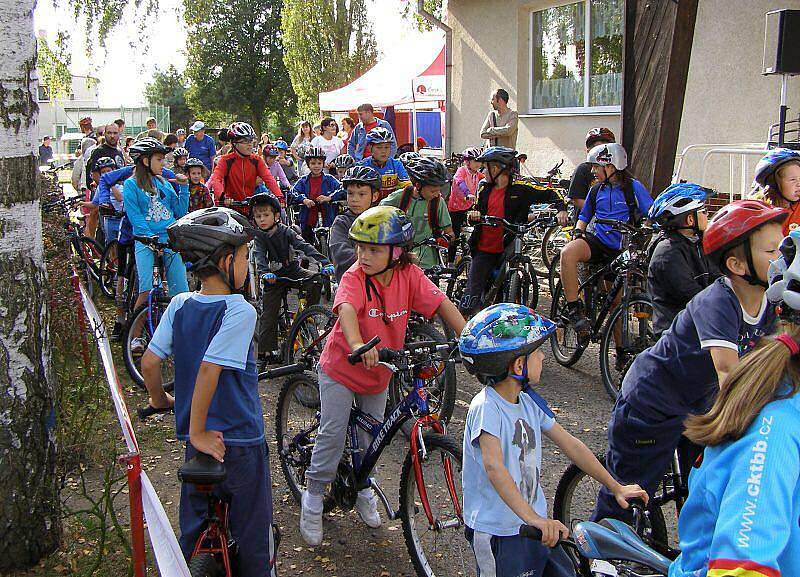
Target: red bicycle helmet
{"points": [[736, 222]]}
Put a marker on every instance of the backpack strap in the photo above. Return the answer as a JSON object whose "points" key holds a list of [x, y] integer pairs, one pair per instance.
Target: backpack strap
{"points": [[433, 214], [405, 199], [634, 213]]}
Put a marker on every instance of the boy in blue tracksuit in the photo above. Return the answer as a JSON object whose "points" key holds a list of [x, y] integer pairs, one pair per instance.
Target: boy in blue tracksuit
{"points": [[315, 191], [209, 335], [393, 174], [681, 374]]}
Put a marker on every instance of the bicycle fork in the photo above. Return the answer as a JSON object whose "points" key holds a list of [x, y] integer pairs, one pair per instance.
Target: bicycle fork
{"points": [[417, 447]]}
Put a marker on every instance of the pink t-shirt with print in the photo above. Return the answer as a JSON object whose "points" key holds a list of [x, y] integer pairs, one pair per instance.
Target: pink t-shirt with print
{"points": [[408, 290], [457, 201]]}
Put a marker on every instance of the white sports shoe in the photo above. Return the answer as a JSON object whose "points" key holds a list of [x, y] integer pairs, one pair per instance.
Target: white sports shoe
{"points": [[138, 345], [311, 518], [367, 507]]}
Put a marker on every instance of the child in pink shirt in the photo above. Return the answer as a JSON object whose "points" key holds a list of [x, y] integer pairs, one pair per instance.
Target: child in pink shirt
{"points": [[375, 298], [463, 193]]}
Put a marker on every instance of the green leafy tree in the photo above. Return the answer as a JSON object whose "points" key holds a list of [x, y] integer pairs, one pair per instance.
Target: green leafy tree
{"points": [[235, 59], [53, 65], [168, 88], [408, 8], [328, 43]]}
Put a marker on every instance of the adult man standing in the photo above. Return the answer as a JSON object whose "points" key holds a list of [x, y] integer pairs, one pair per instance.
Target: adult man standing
{"points": [[121, 124], [358, 147], [45, 151], [109, 148], [500, 126], [152, 130], [201, 145]]}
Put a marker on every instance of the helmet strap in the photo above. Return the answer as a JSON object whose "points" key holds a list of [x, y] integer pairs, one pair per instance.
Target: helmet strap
{"points": [[236, 149], [751, 277], [523, 378]]}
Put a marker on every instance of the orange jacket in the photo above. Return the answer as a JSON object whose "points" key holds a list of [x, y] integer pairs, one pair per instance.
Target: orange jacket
{"points": [[235, 176]]}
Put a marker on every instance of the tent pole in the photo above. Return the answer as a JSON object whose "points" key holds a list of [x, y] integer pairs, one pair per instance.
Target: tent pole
{"points": [[448, 66], [414, 115]]}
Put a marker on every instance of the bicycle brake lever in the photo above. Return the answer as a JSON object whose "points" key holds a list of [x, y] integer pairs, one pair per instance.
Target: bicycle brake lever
{"points": [[389, 366]]}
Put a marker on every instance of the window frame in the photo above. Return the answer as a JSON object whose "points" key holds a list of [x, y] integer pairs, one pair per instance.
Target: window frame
{"points": [[570, 110]]}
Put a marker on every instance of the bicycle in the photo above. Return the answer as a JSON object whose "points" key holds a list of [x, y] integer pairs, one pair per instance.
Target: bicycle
{"points": [[611, 548], [619, 315], [109, 259], [143, 321], [577, 492], [433, 530]]}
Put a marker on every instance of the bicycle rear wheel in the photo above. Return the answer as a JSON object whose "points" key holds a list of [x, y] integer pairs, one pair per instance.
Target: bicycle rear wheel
{"points": [[553, 241], [523, 287], [564, 341], [636, 334], [109, 266], [147, 316], [205, 565], [91, 252], [437, 549]]}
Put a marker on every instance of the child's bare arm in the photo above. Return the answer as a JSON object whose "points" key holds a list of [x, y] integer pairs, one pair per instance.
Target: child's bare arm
{"points": [[348, 319], [209, 442], [724, 361], [151, 371], [503, 483], [449, 312], [582, 456]]}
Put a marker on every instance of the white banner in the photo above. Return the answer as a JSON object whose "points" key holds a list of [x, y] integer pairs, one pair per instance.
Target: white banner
{"points": [[168, 554]]}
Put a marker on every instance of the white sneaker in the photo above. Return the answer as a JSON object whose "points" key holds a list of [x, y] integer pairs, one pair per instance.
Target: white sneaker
{"points": [[367, 507], [138, 345], [311, 518]]}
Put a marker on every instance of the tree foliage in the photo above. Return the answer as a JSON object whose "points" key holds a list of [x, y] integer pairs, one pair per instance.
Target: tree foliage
{"points": [[53, 65], [408, 8], [328, 43], [235, 58], [168, 88]]}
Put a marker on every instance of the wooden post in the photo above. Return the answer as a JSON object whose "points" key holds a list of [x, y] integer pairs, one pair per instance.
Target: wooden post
{"points": [[658, 47]]}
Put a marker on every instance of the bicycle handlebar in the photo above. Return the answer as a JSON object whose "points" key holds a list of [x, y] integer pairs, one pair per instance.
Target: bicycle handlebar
{"points": [[355, 356], [284, 371], [151, 241], [530, 532], [387, 355]]}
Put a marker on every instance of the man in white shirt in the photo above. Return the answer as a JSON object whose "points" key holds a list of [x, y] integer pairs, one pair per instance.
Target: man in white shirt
{"points": [[500, 126]]}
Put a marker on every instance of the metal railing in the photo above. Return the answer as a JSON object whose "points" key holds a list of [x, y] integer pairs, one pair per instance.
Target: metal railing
{"points": [[740, 177]]}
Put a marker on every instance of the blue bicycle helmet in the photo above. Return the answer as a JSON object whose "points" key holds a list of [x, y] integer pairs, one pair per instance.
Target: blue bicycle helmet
{"points": [[676, 200], [497, 335], [379, 135], [281, 145], [770, 163]]}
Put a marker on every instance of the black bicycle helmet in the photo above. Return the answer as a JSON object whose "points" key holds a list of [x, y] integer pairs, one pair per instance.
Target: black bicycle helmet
{"points": [[265, 199], [428, 171], [344, 161], [409, 156], [499, 154], [105, 162], [314, 152], [200, 235], [147, 146], [379, 135], [362, 175]]}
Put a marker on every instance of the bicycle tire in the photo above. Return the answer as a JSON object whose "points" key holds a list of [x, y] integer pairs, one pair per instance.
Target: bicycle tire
{"points": [[109, 267], [564, 356], [554, 274], [90, 251], [550, 247], [524, 293], [205, 565], [291, 457], [301, 331], [445, 389], [457, 283], [431, 561], [132, 359], [612, 380], [565, 511]]}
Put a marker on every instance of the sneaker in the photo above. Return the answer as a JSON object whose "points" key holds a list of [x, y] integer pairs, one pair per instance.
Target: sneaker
{"points": [[311, 518], [116, 333], [367, 507], [138, 345], [573, 315]]}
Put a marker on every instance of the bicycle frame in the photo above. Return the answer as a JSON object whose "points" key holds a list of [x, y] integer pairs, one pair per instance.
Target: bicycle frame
{"points": [[216, 531]]}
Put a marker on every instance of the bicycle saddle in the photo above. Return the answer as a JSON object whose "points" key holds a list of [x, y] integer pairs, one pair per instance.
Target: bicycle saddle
{"points": [[202, 469], [614, 540]]}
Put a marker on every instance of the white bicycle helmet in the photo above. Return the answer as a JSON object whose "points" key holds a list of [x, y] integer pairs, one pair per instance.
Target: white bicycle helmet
{"points": [[784, 277], [609, 153], [241, 131]]}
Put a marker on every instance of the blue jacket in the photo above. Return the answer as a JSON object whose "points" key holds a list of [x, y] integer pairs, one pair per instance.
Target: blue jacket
{"points": [[108, 180], [150, 216], [203, 149], [330, 187], [742, 516], [358, 139]]}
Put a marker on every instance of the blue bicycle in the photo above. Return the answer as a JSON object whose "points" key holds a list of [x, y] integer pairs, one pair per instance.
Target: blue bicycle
{"points": [[430, 481]]}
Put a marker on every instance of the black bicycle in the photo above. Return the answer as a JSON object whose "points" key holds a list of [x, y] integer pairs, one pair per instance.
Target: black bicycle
{"points": [[619, 310]]}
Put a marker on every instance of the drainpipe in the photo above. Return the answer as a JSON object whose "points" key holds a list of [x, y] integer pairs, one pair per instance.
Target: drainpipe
{"points": [[448, 68]]}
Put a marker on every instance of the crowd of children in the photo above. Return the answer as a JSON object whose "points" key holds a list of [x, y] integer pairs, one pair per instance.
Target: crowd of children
{"points": [[714, 375]]}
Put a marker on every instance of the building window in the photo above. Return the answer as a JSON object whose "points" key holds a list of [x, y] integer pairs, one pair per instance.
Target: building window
{"points": [[43, 93], [560, 79]]}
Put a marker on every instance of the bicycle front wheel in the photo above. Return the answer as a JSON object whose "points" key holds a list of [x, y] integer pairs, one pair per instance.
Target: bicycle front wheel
{"points": [[564, 341], [90, 251], [438, 548], [205, 565], [523, 287], [109, 267], [138, 335], [631, 323]]}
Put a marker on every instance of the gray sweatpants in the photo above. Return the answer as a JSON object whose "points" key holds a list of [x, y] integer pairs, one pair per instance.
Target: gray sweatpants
{"points": [[336, 401]]}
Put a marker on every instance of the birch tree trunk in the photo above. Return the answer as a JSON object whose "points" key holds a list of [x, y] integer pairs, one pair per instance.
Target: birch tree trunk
{"points": [[29, 502]]}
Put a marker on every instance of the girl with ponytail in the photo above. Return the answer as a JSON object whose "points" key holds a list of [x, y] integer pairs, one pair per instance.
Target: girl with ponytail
{"points": [[742, 516]]}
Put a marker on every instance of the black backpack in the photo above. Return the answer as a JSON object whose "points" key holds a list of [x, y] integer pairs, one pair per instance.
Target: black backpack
{"points": [[634, 214], [433, 209]]}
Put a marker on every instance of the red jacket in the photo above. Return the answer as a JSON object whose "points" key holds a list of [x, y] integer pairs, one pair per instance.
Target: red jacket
{"points": [[235, 177]]}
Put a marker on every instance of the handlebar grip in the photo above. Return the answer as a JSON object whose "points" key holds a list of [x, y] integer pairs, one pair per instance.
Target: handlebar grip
{"points": [[355, 356], [282, 371], [149, 411], [637, 502], [530, 532]]}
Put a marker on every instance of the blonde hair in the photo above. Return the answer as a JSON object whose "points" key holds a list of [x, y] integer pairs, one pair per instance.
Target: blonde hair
{"points": [[753, 383], [772, 193]]}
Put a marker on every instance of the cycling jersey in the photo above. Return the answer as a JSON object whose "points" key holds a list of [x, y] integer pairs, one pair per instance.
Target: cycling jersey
{"points": [[609, 202], [235, 177], [393, 174], [742, 516]]}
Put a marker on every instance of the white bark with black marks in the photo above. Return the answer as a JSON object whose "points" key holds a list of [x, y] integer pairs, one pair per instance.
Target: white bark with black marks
{"points": [[29, 503]]}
